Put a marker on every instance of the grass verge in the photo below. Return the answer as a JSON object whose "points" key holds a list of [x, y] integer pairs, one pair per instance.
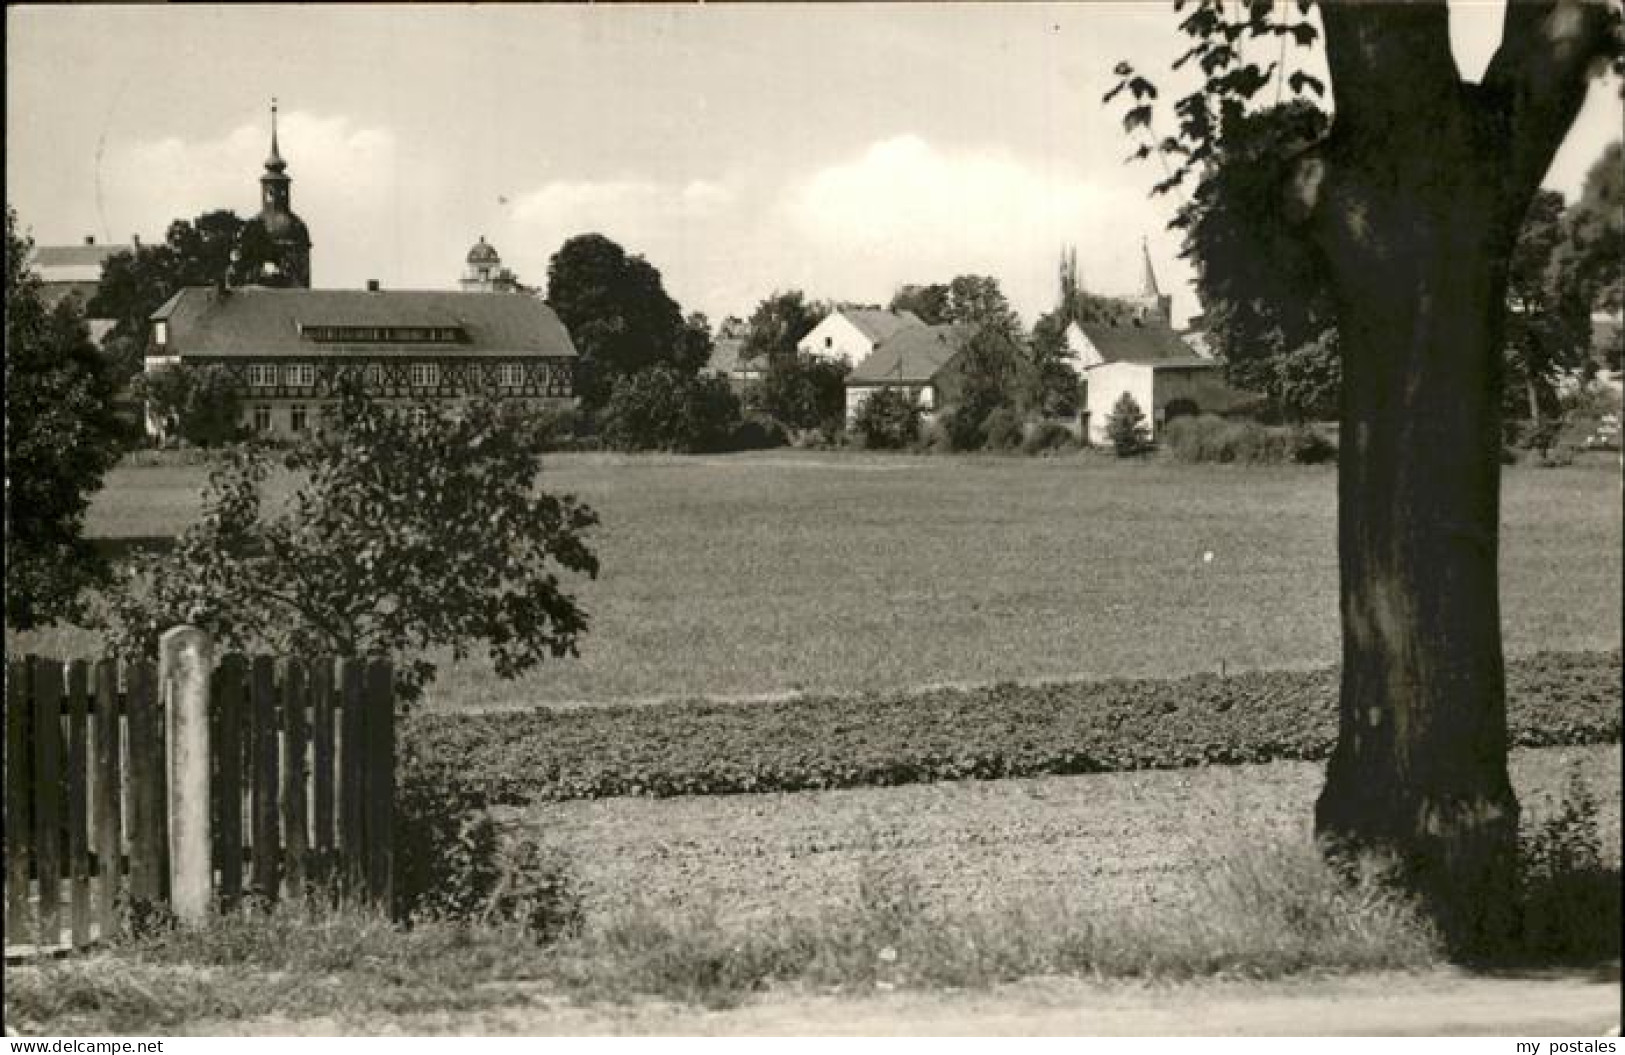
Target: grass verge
{"points": [[1266, 914]]}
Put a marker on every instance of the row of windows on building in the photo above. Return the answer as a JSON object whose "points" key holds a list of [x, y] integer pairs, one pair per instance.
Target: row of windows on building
{"points": [[299, 417], [420, 375], [389, 334]]}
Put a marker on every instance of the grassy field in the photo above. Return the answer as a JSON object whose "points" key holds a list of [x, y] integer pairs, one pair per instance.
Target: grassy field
{"points": [[784, 572]]}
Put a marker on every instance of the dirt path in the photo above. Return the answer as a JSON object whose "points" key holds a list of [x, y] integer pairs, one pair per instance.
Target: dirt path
{"points": [[1437, 1004]]}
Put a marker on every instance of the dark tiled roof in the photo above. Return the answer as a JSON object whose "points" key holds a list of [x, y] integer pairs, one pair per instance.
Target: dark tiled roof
{"points": [[914, 355], [257, 321], [725, 352], [75, 255], [879, 325], [1147, 342]]}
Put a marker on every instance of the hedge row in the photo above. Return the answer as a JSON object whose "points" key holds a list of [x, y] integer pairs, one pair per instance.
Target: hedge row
{"points": [[699, 748]]}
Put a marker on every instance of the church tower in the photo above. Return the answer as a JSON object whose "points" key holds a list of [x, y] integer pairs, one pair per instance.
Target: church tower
{"points": [[286, 230], [485, 273], [1151, 299]]}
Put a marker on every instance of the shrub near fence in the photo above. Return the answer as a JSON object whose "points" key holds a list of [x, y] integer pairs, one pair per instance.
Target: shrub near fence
{"points": [[301, 788]]}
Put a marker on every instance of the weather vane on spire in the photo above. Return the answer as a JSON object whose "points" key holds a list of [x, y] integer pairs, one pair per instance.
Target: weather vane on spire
{"points": [[274, 162]]}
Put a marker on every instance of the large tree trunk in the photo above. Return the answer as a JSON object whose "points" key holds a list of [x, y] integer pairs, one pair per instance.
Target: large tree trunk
{"points": [[1419, 770], [1415, 202]]}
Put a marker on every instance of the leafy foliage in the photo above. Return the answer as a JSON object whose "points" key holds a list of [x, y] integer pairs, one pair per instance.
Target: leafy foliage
{"points": [[1597, 231], [214, 247], [778, 323], [619, 316], [1056, 382], [928, 303], [200, 404], [407, 532], [452, 863], [977, 301], [1126, 428], [1549, 326], [991, 372], [664, 409], [1218, 35], [1002, 429], [61, 437], [1207, 438], [801, 390], [888, 419], [698, 748]]}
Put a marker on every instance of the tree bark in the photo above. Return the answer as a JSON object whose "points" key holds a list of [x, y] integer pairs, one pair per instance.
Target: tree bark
{"points": [[1419, 770], [1415, 201]]}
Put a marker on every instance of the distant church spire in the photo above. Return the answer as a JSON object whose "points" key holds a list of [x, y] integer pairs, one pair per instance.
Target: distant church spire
{"points": [[274, 163], [278, 220], [1148, 284]]}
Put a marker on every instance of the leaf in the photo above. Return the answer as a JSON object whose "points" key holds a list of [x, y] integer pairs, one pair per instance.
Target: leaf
{"points": [[1303, 33], [1142, 88], [1138, 117], [1299, 80]]}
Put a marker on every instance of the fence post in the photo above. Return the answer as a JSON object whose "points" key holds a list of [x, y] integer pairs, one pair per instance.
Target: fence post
{"points": [[185, 664]]}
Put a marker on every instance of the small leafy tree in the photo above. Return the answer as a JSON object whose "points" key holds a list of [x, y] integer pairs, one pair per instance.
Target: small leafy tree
{"points": [[928, 303], [1126, 427], [990, 373], [778, 323], [888, 420], [201, 404], [801, 391], [406, 532], [61, 436], [619, 315], [663, 409]]}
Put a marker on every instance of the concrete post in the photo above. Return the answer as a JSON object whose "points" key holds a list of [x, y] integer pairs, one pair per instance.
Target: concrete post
{"points": [[185, 665]]}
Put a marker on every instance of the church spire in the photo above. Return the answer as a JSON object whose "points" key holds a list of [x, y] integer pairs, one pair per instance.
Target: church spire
{"points": [[1148, 284], [274, 163]]}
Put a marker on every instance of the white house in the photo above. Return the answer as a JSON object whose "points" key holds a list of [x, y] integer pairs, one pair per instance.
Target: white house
{"points": [[851, 334], [1150, 362]]}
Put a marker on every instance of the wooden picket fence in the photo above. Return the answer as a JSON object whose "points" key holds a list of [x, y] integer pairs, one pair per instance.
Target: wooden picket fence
{"points": [[301, 788]]}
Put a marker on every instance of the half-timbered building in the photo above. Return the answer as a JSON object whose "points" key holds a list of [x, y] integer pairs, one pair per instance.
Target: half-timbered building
{"points": [[287, 349]]}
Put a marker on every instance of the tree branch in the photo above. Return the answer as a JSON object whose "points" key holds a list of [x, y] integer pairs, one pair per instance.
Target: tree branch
{"points": [[1388, 60], [1536, 82]]}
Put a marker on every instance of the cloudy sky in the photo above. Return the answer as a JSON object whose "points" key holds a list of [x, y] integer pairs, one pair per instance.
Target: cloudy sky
{"points": [[741, 149]]}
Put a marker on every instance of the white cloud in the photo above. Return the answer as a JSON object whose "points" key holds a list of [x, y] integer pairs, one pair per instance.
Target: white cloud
{"points": [[345, 184], [635, 205], [904, 210]]}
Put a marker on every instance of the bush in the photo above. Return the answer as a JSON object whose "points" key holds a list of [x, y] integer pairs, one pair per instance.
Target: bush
{"points": [[888, 419], [1048, 436], [1126, 428], [1213, 439], [934, 438], [1001, 430], [811, 743], [961, 429], [557, 428], [663, 409], [1310, 447], [1571, 896], [453, 865], [819, 439], [758, 432], [801, 390]]}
